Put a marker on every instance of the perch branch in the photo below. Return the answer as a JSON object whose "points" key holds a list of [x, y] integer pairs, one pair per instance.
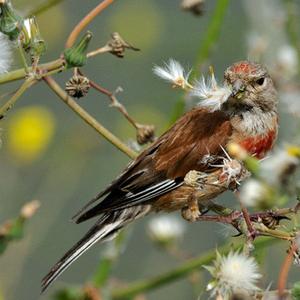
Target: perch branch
{"points": [[9, 104]]}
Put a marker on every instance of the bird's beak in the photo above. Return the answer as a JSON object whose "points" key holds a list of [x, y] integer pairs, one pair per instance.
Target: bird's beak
{"points": [[237, 89]]}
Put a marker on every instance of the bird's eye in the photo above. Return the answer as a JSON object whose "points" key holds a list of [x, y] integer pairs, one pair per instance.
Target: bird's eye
{"points": [[260, 81]]}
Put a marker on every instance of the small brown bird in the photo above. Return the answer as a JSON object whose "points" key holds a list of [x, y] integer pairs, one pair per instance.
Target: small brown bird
{"points": [[156, 179]]}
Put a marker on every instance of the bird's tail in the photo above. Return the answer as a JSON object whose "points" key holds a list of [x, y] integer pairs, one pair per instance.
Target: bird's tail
{"points": [[105, 229]]}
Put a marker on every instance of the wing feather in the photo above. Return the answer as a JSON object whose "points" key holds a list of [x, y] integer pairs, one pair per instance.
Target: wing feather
{"points": [[162, 167]]}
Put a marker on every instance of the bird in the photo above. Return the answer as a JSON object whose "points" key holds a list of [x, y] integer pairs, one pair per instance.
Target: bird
{"points": [[157, 179]]}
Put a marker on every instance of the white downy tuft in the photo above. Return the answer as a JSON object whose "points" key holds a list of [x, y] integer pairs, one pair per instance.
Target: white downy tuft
{"points": [[212, 96], [173, 72], [233, 273], [5, 54]]}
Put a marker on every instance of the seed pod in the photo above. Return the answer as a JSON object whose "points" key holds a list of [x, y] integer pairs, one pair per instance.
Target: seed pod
{"points": [[145, 134], [78, 86], [76, 55]]}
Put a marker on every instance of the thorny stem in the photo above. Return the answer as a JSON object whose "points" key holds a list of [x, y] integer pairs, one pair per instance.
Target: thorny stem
{"points": [[88, 118], [185, 268], [258, 228], [245, 212], [85, 21], [284, 271], [9, 104]]}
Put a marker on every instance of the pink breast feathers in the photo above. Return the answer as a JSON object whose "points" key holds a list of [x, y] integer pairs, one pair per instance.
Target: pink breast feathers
{"points": [[259, 145]]}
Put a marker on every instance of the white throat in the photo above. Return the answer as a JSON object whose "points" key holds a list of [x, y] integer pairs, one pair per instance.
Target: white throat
{"points": [[255, 122]]}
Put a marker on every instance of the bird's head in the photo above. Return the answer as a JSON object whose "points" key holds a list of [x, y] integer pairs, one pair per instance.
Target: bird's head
{"points": [[252, 87]]}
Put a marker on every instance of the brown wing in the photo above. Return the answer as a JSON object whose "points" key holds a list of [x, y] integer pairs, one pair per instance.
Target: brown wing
{"points": [[162, 167]]}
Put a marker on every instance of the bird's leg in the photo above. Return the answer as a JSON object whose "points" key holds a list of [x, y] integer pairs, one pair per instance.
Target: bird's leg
{"points": [[219, 209], [191, 212], [232, 218]]}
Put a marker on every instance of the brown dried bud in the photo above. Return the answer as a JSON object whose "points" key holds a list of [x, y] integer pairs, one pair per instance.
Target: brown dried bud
{"points": [[118, 45], [194, 6], [145, 134], [273, 221], [78, 86], [29, 209]]}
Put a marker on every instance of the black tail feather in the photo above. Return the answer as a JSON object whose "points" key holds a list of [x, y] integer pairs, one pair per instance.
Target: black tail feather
{"points": [[106, 228]]}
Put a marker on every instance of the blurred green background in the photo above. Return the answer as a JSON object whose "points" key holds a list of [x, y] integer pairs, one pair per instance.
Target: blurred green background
{"points": [[68, 163]]}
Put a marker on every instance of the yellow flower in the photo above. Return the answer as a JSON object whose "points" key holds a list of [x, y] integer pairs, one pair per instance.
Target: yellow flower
{"points": [[29, 132]]}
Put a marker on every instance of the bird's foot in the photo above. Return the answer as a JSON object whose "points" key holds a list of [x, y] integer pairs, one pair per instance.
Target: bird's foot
{"points": [[191, 212]]}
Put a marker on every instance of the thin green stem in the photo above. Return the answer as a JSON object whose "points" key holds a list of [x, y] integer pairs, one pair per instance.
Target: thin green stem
{"points": [[292, 26], [212, 33], [9, 104], [88, 118], [55, 65], [186, 268], [42, 7], [107, 262], [23, 57]]}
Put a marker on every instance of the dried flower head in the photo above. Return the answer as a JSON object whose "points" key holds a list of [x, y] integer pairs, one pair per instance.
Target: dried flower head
{"points": [[232, 274], [5, 54], [233, 171], [211, 94], [77, 86], [118, 46], [173, 72], [165, 230], [145, 134], [194, 6]]}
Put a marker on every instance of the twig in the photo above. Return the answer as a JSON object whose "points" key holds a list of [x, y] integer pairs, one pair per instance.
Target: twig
{"points": [[284, 271], [9, 104], [85, 21], [186, 268], [114, 101], [88, 118], [101, 50], [246, 217], [55, 66]]}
